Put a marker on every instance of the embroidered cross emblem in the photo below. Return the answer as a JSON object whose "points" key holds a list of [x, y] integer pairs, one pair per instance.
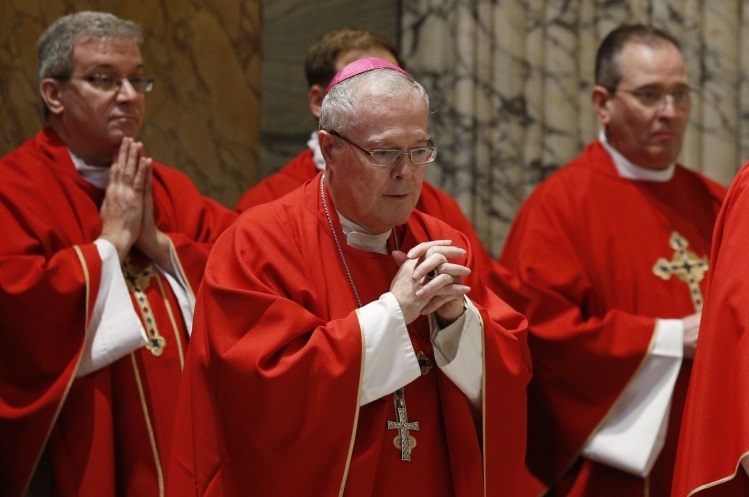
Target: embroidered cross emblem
{"points": [[138, 282], [686, 266]]}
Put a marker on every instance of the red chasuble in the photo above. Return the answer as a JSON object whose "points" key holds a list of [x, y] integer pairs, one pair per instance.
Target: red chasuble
{"points": [[715, 428], [270, 393], [106, 433], [584, 246]]}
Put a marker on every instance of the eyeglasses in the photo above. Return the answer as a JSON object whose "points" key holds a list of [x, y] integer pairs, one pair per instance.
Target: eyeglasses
{"points": [[655, 98], [385, 157], [107, 82]]}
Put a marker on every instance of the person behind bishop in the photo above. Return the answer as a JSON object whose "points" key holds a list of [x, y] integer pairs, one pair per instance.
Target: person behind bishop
{"points": [[380, 366]]}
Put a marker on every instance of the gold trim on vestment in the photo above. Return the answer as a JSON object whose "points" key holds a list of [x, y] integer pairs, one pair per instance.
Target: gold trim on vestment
{"points": [[355, 426], [175, 328], [149, 426], [715, 483]]}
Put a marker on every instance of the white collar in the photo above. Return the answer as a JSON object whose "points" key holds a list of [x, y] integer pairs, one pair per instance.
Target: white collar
{"points": [[357, 237], [629, 170], [96, 175], [314, 144]]}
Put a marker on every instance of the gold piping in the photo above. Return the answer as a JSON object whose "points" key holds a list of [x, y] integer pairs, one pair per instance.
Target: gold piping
{"points": [[175, 328], [356, 415], [151, 436]]}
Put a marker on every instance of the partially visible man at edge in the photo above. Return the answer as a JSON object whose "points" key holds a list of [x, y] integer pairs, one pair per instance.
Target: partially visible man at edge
{"points": [[101, 254], [383, 365], [325, 58], [611, 251]]}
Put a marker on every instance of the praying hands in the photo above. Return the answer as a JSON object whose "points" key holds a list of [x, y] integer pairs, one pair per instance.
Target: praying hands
{"points": [[427, 282]]}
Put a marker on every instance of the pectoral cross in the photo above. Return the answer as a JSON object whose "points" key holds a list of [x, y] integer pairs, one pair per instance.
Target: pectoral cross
{"points": [[686, 266], [403, 441], [137, 283]]}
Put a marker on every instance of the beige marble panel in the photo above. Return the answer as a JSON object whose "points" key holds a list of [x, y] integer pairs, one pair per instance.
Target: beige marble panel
{"points": [[204, 111]]}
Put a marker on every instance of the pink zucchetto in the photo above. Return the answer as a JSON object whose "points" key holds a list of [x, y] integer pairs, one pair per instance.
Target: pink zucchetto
{"points": [[360, 66]]}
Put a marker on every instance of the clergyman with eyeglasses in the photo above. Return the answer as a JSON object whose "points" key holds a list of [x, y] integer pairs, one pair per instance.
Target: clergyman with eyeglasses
{"points": [[378, 365], [611, 252], [102, 251]]}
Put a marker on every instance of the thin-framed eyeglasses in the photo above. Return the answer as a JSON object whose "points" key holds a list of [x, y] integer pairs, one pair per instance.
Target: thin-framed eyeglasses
{"points": [[141, 83], [386, 157], [656, 98]]}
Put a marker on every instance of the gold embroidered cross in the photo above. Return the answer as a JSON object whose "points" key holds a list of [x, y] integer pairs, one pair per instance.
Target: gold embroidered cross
{"points": [[137, 284], [686, 266]]}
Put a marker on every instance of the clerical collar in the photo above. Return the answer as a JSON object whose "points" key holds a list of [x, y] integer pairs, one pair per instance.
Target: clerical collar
{"points": [[357, 237], [314, 144], [96, 175], [629, 170]]}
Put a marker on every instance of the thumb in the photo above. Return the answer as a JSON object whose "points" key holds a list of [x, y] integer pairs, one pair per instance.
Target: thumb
{"points": [[399, 257]]}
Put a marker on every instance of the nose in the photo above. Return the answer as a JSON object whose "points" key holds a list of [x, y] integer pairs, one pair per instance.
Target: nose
{"points": [[404, 168], [667, 106], [126, 90]]}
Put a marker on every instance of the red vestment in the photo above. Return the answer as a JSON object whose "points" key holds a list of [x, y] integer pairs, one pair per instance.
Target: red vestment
{"points": [[106, 433], [584, 246], [715, 432], [271, 387]]}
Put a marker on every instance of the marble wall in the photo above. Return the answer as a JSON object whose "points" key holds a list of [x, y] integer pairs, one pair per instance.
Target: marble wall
{"points": [[204, 110]]}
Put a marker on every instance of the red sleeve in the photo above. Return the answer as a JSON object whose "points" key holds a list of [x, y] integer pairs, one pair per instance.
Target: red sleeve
{"points": [[47, 295], [582, 360]]}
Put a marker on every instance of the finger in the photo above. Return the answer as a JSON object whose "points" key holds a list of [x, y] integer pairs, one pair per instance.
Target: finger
{"points": [[142, 178], [131, 164], [439, 262], [453, 269], [443, 284], [436, 303], [421, 249], [428, 265]]}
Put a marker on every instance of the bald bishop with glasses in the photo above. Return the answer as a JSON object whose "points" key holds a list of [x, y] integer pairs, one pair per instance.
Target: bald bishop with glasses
{"points": [[101, 253], [612, 252], [345, 343]]}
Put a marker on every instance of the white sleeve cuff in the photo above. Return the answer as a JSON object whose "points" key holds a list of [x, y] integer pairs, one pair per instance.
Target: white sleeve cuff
{"points": [[459, 351], [633, 434], [389, 358], [180, 287], [114, 329]]}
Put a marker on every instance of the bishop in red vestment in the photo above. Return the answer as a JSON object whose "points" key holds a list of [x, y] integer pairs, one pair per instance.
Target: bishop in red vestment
{"points": [[335, 351], [714, 443], [94, 330]]}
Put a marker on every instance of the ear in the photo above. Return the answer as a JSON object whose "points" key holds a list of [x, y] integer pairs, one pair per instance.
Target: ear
{"points": [[327, 144], [315, 96], [600, 98], [51, 91]]}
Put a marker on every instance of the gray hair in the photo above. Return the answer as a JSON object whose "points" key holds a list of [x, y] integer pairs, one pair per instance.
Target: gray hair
{"points": [[55, 46], [339, 108]]}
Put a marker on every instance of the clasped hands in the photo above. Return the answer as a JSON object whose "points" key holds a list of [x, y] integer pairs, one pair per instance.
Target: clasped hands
{"points": [[126, 213], [427, 282]]}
